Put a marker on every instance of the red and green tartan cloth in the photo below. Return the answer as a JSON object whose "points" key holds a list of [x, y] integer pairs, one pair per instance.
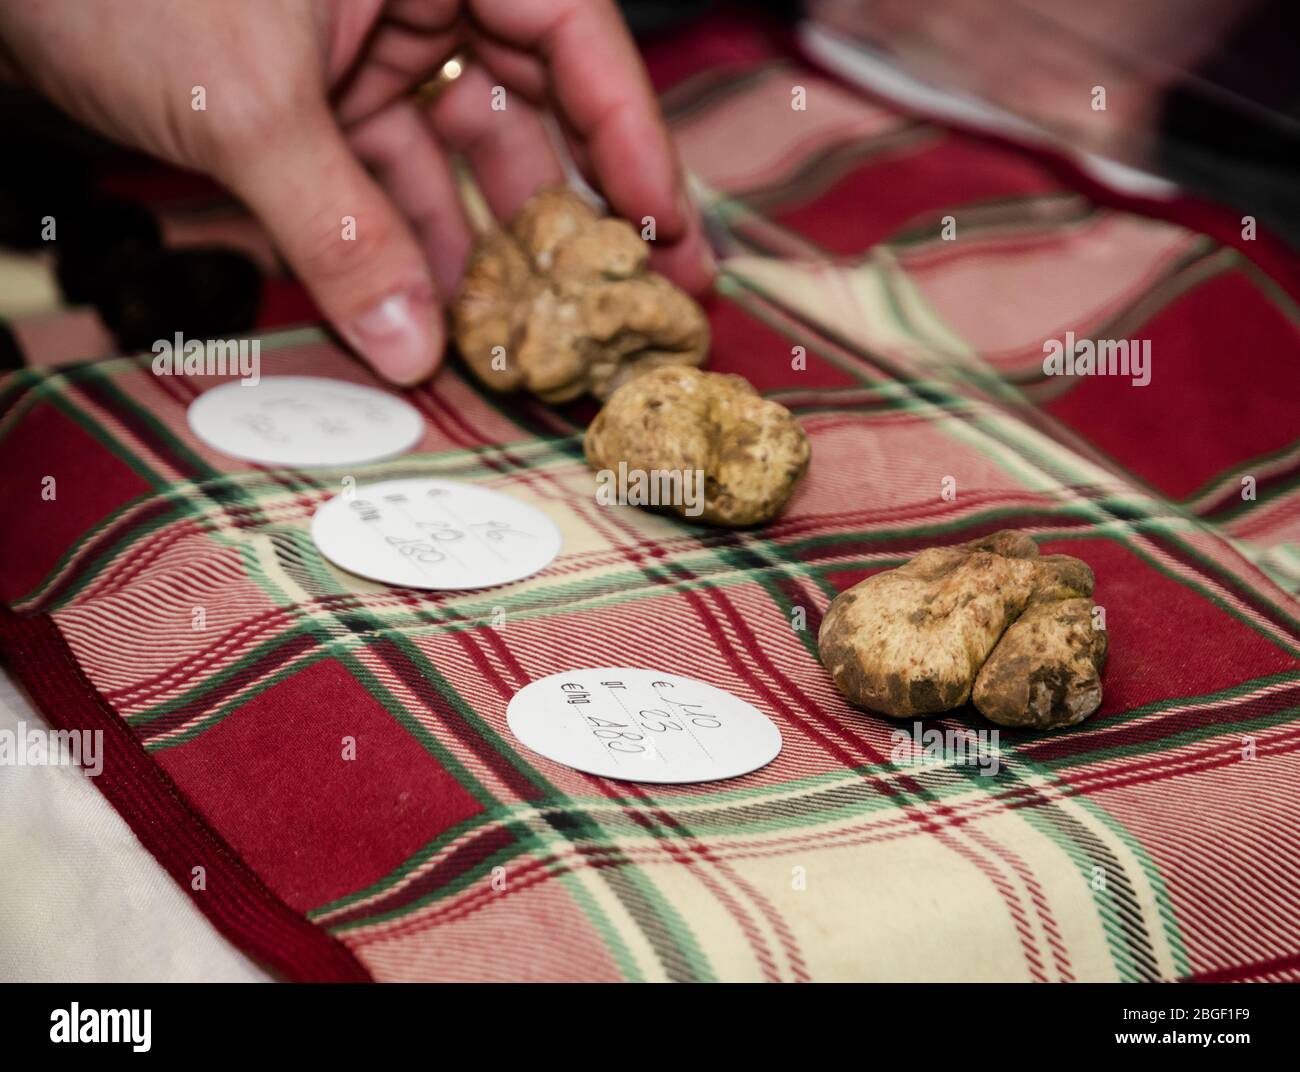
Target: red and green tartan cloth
{"points": [[1159, 840]]}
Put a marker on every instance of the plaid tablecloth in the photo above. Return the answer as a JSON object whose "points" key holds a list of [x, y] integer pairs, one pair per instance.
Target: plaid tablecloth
{"points": [[1159, 840]]}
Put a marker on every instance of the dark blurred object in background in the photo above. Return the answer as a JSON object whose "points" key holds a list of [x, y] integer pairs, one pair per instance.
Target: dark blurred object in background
{"points": [[660, 16], [11, 354], [101, 238], [44, 175], [1231, 129], [108, 251], [647, 18], [1203, 92], [201, 293]]}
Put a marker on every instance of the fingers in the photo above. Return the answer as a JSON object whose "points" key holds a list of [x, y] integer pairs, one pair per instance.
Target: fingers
{"points": [[688, 262], [600, 88], [346, 242], [411, 166], [508, 149], [517, 70], [397, 60]]}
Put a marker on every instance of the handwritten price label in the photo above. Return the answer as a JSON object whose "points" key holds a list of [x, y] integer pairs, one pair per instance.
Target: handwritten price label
{"points": [[307, 422], [642, 726], [435, 534]]}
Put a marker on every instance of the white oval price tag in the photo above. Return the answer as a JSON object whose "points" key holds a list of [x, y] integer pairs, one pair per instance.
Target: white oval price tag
{"points": [[436, 534], [642, 726], [307, 422]]}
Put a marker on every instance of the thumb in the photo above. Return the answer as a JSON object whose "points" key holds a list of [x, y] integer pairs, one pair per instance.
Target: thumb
{"points": [[347, 243]]}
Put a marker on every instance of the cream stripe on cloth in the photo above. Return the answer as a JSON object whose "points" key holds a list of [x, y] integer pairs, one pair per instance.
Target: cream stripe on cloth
{"points": [[81, 900]]}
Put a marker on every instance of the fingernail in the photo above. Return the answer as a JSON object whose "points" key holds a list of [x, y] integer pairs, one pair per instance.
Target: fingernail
{"points": [[400, 336]]}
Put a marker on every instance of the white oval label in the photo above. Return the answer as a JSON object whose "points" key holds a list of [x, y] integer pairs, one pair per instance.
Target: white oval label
{"points": [[642, 726], [307, 422], [437, 534]]}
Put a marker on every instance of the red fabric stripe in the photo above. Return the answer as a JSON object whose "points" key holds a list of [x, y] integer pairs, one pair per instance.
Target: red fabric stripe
{"points": [[236, 901], [1243, 972]]}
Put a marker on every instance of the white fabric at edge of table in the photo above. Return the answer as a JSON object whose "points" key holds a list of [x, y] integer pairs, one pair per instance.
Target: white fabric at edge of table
{"points": [[81, 900]]}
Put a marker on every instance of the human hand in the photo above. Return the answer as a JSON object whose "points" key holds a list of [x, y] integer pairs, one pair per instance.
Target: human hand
{"points": [[307, 117]]}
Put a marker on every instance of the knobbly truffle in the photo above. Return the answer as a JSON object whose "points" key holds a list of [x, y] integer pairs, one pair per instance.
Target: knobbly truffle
{"points": [[988, 621], [751, 451], [563, 303]]}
